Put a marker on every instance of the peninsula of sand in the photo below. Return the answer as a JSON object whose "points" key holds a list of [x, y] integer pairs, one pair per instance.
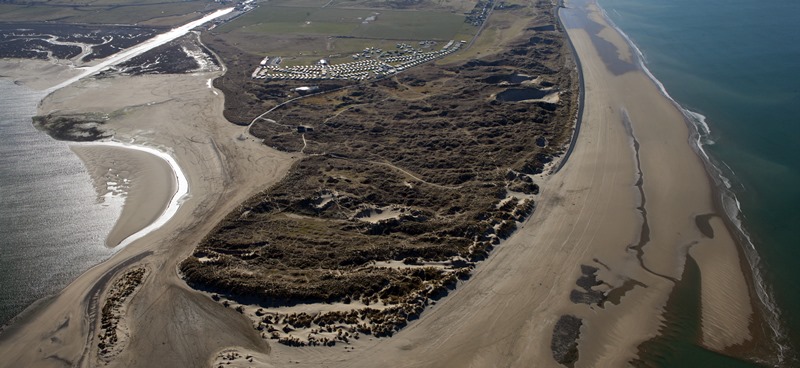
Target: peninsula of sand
{"points": [[178, 166], [631, 205]]}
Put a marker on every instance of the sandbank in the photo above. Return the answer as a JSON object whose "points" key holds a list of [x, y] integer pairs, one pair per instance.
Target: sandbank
{"points": [[146, 184]]}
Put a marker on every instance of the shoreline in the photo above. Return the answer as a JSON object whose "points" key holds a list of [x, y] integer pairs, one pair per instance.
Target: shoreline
{"points": [[723, 198], [521, 311], [588, 212], [178, 111], [581, 91], [222, 172], [620, 65], [124, 233]]}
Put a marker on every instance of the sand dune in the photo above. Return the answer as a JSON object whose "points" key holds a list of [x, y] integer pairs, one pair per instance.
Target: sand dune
{"points": [[592, 212], [632, 164]]}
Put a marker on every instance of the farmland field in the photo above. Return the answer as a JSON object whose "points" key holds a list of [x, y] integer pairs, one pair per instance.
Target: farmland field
{"points": [[415, 25], [388, 24], [303, 34], [457, 6]]}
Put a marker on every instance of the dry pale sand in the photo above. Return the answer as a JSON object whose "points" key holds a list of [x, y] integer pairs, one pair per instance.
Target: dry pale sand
{"points": [[588, 213], [145, 181]]}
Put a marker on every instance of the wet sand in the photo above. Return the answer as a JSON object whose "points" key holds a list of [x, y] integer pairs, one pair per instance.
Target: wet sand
{"points": [[35, 74], [144, 182]]}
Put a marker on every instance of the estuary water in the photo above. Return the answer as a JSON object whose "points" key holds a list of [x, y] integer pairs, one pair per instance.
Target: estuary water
{"points": [[52, 224], [733, 65], [52, 227]]}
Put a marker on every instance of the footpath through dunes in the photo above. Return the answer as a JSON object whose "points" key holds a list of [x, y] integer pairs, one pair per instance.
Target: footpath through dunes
{"points": [[609, 236]]}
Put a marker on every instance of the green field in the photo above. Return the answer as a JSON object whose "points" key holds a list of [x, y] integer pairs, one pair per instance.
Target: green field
{"points": [[389, 24], [458, 6], [303, 35], [276, 20], [299, 3], [414, 25]]}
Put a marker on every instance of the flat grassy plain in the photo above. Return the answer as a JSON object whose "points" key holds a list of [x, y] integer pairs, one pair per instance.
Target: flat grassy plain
{"points": [[270, 20], [415, 25], [303, 34], [457, 6]]}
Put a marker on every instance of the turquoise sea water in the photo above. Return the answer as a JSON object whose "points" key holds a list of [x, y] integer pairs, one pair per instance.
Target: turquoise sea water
{"points": [[737, 62]]}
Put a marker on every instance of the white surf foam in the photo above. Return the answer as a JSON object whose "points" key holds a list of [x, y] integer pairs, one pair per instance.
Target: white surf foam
{"points": [[701, 137]]}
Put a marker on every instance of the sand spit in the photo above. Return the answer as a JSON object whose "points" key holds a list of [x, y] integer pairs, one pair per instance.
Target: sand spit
{"points": [[173, 183], [144, 183], [169, 323]]}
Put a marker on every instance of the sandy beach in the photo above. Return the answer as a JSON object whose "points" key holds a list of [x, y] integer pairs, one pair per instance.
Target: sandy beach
{"points": [[625, 203], [632, 166], [36, 74], [145, 182]]}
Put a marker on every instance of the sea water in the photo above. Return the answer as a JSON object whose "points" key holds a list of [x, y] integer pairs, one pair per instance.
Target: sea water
{"points": [[734, 65], [52, 223], [52, 226]]}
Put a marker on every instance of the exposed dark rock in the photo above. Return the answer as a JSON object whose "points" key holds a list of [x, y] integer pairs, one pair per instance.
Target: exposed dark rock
{"points": [[564, 344]]}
